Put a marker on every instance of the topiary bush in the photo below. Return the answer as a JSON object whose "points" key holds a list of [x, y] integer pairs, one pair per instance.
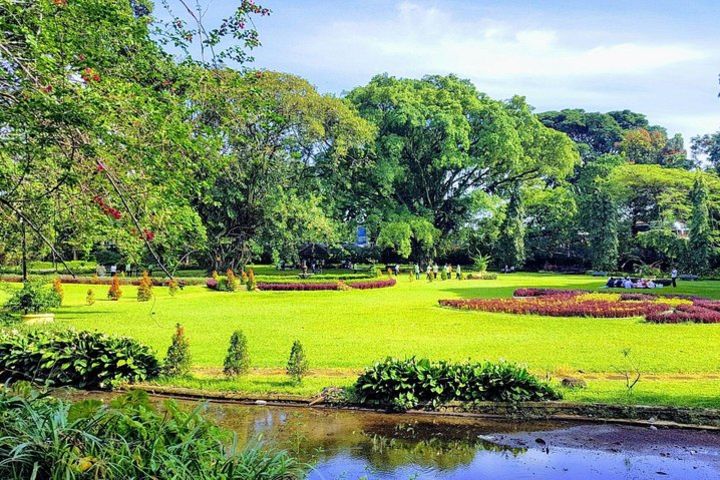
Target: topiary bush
{"points": [[78, 359], [90, 297], [404, 384], [177, 360], [237, 360], [145, 293], [114, 292]]}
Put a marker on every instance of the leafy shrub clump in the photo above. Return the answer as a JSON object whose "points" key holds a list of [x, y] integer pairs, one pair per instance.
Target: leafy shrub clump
{"points": [[78, 359], [237, 360], [127, 438], [297, 365], [250, 282], [177, 360], [115, 292], [33, 297], [404, 384], [230, 283], [482, 276], [145, 292]]}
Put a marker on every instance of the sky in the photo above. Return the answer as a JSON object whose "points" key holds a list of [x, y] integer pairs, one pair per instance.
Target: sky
{"points": [[660, 58]]}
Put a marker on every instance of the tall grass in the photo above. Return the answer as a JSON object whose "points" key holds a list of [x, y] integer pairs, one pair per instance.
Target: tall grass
{"points": [[45, 438]]}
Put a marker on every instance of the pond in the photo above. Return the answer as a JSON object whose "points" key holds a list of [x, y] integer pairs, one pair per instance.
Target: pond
{"points": [[353, 445]]}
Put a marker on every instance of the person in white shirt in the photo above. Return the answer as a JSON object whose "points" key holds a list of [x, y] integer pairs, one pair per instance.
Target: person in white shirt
{"points": [[673, 277]]}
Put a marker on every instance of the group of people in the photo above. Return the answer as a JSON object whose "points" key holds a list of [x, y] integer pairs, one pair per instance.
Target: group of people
{"points": [[627, 282], [432, 271]]}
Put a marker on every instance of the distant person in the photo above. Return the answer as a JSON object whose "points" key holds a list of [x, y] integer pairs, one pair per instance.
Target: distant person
{"points": [[113, 270], [417, 271], [673, 277], [428, 271], [397, 269], [436, 270], [446, 271], [458, 274]]}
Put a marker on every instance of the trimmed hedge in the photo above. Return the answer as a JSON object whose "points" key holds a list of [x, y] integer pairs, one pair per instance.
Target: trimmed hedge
{"points": [[67, 279], [78, 359], [315, 286], [404, 384]]}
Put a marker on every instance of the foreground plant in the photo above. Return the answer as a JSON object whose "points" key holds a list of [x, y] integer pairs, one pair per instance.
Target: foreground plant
{"points": [[297, 365], [89, 360], [45, 438]]}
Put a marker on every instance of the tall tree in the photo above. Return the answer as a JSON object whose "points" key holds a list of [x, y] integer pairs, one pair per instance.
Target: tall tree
{"points": [[273, 129], [438, 141], [602, 228], [700, 242], [709, 146], [511, 244]]}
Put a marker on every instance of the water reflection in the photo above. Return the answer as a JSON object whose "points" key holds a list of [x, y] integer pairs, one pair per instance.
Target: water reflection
{"points": [[362, 445]]}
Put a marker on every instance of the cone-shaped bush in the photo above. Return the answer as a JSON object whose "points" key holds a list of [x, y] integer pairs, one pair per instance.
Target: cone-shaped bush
{"points": [[90, 298], [145, 292], [114, 293], [58, 288], [237, 360], [297, 365], [177, 361]]}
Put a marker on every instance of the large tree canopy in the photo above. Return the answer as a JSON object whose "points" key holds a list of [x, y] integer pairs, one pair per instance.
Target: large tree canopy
{"points": [[438, 140]]}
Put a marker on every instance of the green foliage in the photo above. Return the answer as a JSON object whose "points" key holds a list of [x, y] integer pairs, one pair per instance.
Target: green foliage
{"points": [[405, 384], [408, 231], [481, 263], [511, 243], [79, 359], [602, 228], [237, 360], [114, 292], [33, 297], [177, 361], [297, 365], [700, 245], [128, 437]]}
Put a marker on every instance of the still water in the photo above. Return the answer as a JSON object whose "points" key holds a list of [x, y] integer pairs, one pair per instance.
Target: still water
{"points": [[359, 445]]}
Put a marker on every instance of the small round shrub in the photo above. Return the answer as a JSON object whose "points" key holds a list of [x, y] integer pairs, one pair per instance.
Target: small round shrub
{"points": [[33, 297], [145, 292], [115, 292], [90, 297]]}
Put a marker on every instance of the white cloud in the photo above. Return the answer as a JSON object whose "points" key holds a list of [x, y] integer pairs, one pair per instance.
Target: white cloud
{"points": [[420, 39]]}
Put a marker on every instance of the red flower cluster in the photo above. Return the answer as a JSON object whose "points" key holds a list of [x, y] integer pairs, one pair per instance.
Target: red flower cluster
{"points": [[369, 284], [90, 75], [148, 235], [109, 211], [559, 306], [211, 283]]}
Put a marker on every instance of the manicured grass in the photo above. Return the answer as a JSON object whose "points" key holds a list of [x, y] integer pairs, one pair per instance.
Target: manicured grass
{"points": [[345, 331]]}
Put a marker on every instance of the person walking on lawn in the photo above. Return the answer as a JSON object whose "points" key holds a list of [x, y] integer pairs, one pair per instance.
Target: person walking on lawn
{"points": [[673, 277]]}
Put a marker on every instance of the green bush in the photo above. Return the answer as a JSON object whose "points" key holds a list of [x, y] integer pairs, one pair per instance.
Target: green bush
{"points": [[237, 360], [78, 359], [127, 438], [297, 365], [404, 384], [177, 360], [481, 262], [33, 297]]}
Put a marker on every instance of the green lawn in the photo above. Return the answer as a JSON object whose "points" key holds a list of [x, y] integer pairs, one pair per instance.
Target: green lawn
{"points": [[345, 331]]}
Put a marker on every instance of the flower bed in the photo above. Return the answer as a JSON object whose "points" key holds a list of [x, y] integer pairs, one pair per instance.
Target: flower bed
{"points": [[559, 306], [370, 284], [578, 303], [298, 286]]}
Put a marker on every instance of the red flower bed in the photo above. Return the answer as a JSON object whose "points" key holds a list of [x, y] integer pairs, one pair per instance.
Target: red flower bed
{"points": [[687, 313], [368, 284], [559, 306], [546, 292], [297, 286]]}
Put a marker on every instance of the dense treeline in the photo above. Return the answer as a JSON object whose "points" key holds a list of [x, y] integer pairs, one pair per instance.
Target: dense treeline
{"points": [[113, 149]]}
